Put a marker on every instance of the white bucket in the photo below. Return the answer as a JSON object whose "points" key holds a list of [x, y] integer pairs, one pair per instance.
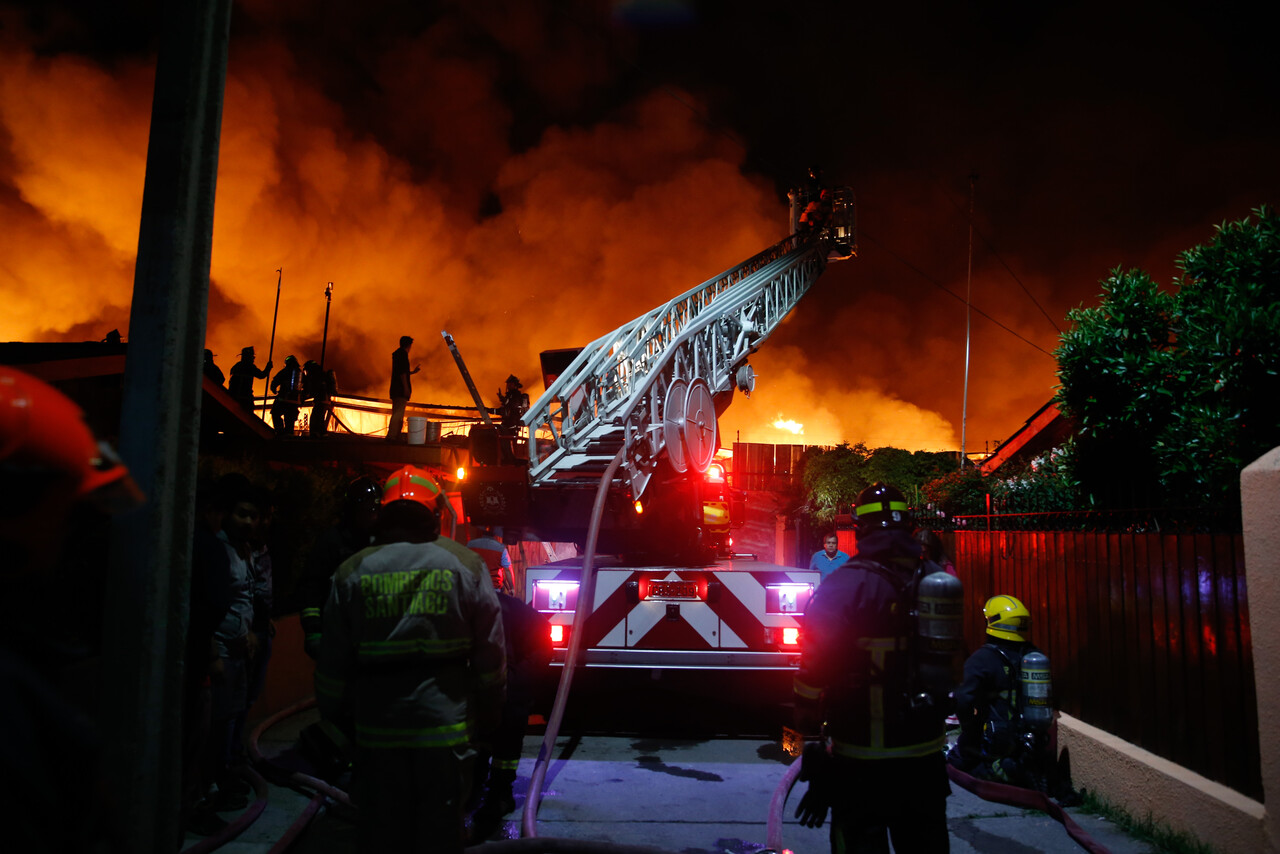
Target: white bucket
{"points": [[417, 430]]}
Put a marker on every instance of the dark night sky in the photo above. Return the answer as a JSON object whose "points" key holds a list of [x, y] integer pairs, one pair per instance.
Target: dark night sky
{"points": [[561, 152]]}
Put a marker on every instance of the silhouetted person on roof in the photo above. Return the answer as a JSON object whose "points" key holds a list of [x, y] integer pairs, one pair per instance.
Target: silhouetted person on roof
{"points": [[211, 370], [288, 389], [401, 387], [243, 373]]}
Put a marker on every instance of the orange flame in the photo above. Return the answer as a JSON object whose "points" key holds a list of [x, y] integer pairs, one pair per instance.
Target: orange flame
{"points": [[787, 424]]}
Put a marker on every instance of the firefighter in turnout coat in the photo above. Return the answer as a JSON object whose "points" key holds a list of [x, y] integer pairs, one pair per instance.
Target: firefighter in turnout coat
{"points": [[411, 650], [883, 774]]}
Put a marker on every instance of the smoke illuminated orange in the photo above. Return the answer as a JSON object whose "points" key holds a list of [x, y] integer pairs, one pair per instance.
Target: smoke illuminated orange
{"points": [[596, 226]]}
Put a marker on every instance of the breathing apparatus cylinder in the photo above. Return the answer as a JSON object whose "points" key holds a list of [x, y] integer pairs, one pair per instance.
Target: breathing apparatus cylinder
{"points": [[1037, 691], [939, 632]]}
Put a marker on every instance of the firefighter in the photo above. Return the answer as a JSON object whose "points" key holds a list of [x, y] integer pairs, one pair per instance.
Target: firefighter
{"points": [[1004, 737], [513, 404], [528, 647], [361, 499], [326, 745], [243, 374], [411, 648], [313, 389], [58, 484], [428, 492], [495, 557], [287, 385], [884, 771], [211, 369]]}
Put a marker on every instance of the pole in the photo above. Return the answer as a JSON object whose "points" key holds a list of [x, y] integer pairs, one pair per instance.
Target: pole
{"points": [[968, 323], [271, 350], [147, 590], [328, 301]]}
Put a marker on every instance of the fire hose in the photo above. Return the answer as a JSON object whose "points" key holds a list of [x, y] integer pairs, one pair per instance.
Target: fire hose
{"points": [[586, 596], [1016, 796], [988, 790]]}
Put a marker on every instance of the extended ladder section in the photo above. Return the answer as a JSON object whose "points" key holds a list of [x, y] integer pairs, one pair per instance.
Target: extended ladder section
{"points": [[651, 385]]}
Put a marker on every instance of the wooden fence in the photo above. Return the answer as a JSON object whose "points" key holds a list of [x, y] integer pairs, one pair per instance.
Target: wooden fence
{"points": [[1147, 635]]}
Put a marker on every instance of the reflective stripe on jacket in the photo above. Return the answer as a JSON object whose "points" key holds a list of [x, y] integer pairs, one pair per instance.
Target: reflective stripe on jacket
{"points": [[857, 657], [410, 638]]}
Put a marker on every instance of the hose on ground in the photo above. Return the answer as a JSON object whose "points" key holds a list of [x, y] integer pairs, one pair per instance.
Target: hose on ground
{"points": [[773, 828], [988, 790], [240, 823], [586, 600], [1016, 796]]}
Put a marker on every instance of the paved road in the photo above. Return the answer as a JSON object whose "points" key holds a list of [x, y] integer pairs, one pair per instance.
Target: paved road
{"points": [[693, 777]]}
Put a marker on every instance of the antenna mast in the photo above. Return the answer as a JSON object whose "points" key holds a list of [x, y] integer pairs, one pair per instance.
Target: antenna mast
{"points": [[968, 323]]}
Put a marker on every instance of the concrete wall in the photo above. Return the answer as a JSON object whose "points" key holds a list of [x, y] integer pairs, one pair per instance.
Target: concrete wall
{"points": [[1145, 784]]}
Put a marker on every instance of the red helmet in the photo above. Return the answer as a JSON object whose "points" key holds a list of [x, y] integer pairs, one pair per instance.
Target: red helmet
{"points": [[42, 430], [411, 484]]}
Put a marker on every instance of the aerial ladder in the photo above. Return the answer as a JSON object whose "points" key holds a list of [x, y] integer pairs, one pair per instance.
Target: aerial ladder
{"points": [[654, 389]]}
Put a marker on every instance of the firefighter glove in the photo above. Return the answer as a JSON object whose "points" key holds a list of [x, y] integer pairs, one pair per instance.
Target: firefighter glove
{"points": [[815, 768]]}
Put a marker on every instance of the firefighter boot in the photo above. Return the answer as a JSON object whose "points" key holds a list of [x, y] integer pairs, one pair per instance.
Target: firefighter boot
{"points": [[499, 799], [498, 802]]}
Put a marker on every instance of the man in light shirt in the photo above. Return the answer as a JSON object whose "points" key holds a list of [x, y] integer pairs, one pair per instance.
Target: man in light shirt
{"points": [[830, 558]]}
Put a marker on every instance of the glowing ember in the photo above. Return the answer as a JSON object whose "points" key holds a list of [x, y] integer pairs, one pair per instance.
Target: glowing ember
{"points": [[793, 426]]}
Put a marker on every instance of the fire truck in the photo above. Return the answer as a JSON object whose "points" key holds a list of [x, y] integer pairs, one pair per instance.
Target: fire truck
{"points": [[642, 401]]}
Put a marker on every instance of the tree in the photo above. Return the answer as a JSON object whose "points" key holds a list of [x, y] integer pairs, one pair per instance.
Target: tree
{"points": [[957, 493], [1114, 364], [834, 477], [1228, 334], [1175, 393]]}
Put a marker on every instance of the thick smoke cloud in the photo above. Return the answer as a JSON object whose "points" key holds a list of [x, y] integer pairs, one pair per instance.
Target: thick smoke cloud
{"points": [[531, 175]]}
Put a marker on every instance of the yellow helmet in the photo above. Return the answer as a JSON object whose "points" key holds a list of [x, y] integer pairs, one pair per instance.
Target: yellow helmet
{"points": [[1007, 618]]}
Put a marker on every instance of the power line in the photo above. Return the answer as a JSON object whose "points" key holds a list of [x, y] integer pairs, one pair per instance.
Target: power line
{"points": [[992, 249], [922, 274]]}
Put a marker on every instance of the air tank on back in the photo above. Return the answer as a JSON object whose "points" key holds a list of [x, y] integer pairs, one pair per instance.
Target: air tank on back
{"points": [[1037, 691], [939, 632]]}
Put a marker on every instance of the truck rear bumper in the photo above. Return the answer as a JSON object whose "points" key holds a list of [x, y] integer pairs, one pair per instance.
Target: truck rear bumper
{"points": [[685, 659]]}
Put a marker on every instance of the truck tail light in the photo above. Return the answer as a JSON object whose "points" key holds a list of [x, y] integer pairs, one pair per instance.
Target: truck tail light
{"points": [[559, 634], [790, 636]]}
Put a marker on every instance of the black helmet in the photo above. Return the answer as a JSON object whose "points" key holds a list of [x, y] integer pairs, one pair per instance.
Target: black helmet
{"points": [[881, 506], [363, 492]]}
